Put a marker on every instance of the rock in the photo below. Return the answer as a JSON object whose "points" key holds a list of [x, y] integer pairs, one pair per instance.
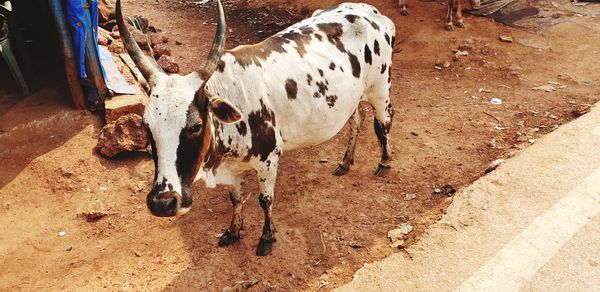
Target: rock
{"points": [[140, 38], [168, 64], [115, 35], [460, 53], [506, 39], [117, 48], [93, 216], [121, 105], [62, 233], [241, 286], [398, 235], [137, 253], [493, 165], [123, 135], [161, 50], [323, 160], [158, 38]]}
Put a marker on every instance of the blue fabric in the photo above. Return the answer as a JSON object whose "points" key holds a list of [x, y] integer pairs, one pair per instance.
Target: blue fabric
{"points": [[76, 19]]}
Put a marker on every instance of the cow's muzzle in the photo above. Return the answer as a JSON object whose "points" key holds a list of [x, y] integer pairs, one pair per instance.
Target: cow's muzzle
{"points": [[166, 204]]}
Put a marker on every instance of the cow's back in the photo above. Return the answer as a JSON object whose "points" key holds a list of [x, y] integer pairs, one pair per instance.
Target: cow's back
{"points": [[312, 75]]}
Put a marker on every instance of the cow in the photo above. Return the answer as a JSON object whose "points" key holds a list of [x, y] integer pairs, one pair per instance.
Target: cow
{"points": [[246, 106], [455, 7]]}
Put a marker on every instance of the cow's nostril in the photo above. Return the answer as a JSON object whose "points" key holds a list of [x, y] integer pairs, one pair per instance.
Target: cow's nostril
{"points": [[163, 205]]}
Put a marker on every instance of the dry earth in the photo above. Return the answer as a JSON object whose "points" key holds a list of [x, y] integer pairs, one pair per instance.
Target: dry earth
{"points": [[445, 132]]}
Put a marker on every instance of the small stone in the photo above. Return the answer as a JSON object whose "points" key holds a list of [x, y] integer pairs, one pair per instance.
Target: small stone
{"points": [[69, 248], [117, 48], [460, 53], [496, 101], [506, 39], [398, 234], [137, 253], [546, 88], [323, 160], [355, 244], [62, 233], [410, 196]]}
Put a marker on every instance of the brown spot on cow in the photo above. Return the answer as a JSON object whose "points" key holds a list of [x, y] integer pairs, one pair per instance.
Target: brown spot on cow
{"points": [[368, 56], [332, 66], [263, 137], [291, 88], [322, 87], [221, 66], [333, 31], [376, 48], [320, 72], [387, 38], [351, 17], [331, 99], [373, 24], [355, 65], [383, 68], [309, 79], [242, 128]]}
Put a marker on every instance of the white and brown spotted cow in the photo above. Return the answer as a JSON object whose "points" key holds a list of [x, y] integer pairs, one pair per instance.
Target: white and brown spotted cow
{"points": [[248, 105]]}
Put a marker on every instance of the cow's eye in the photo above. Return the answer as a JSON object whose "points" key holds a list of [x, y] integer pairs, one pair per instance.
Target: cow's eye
{"points": [[195, 129]]}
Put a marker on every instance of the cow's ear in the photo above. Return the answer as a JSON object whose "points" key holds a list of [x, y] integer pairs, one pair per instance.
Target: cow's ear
{"points": [[224, 110]]}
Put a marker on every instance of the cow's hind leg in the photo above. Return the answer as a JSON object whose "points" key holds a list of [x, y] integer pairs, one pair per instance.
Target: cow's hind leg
{"points": [[355, 124], [403, 7], [384, 113], [232, 234], [266, 182]]}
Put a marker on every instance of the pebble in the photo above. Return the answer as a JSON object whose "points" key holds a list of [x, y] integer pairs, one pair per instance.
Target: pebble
{"points": [[61, 233]]}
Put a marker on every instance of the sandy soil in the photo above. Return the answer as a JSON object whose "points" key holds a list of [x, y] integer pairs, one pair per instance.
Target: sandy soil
{"points": [[445, 132]]}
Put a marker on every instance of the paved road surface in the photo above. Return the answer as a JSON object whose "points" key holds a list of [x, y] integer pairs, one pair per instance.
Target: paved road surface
{"points": [[531, 225]]}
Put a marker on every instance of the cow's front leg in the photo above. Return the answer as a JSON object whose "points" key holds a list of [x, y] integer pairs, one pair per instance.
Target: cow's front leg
{"points": [[232, 234], [266, 182]]}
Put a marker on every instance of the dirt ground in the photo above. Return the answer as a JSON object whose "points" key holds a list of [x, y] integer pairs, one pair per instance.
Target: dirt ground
{"points": [[446, 131]]}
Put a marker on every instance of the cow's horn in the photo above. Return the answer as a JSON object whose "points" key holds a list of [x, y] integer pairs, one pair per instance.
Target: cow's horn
{"points": [[148, 69], [217, 49]]}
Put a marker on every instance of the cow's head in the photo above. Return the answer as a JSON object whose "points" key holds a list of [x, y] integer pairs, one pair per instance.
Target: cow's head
{"points": [[178, 120]]}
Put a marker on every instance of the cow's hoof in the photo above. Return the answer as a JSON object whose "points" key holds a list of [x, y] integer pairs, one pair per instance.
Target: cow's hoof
{"points": [[460, 24], [449, 27], [228, 238], [382, 170], [341, 170], [265, 246], [404, 12]]}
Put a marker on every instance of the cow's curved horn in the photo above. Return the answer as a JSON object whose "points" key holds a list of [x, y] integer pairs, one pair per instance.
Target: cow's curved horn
{"points": [[148, 69], [217, 49]]}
